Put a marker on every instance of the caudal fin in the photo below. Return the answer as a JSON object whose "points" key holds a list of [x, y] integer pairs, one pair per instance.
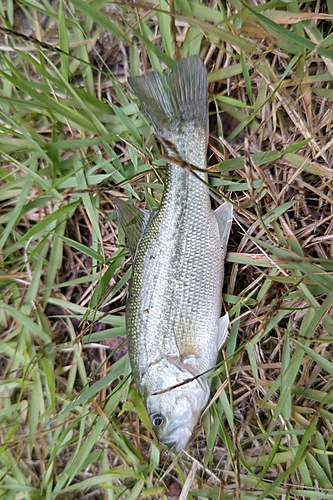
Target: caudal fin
{"points": [[177, 103]]}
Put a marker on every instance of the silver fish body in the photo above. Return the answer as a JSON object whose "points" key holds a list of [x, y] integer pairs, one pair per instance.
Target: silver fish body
{"points": [[173, 309]]}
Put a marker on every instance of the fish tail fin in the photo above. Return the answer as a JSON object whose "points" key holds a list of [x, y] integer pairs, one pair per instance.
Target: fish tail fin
{"points": [[177, 104]]}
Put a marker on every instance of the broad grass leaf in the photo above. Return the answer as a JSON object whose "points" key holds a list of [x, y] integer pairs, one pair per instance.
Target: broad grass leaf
{"points": [[83, 249], [164, 25], [65, 209], [89, 392]]}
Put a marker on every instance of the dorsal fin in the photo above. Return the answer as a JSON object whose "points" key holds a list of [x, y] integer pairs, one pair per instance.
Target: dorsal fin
{"points": [[133, 220]]}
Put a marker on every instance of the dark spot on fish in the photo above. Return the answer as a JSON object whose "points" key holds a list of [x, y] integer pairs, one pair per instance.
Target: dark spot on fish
{"points": [[146, 311], [152, 256]]}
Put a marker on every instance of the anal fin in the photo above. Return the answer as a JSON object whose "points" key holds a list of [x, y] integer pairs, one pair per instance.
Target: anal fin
{"points": [[223, 330], [223, 216]]}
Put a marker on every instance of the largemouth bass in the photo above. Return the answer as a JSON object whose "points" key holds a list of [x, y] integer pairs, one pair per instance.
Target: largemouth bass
{"points": [[173, 308]]}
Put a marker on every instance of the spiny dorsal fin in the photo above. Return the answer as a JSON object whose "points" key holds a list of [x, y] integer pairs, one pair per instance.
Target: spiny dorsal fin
{"points": [[133, 220], [175, 100]]}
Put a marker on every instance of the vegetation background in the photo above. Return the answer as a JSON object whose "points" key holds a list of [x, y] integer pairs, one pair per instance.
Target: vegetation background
{"points": [[72, 136]]}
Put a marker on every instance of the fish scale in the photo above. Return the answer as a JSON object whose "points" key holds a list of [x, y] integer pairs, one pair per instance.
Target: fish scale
{"points": [[173, 309], [165, 291]]}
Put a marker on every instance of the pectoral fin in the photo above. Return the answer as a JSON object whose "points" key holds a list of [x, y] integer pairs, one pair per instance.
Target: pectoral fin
{"points": [[133, 220], [185, 368], [223, 330], [223, 216]]}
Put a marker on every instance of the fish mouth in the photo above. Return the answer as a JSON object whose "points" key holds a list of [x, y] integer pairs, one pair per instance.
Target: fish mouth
{"points": [[178, 436]]}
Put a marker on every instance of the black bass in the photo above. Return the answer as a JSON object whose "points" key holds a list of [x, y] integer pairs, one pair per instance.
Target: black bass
{"points": [[173, 309]]}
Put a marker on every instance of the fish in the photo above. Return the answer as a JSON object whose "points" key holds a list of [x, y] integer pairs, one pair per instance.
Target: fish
{"points": [[174, 302]]}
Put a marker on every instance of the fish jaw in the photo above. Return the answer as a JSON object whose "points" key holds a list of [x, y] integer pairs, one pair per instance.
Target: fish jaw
{"points": [[174, 406]]}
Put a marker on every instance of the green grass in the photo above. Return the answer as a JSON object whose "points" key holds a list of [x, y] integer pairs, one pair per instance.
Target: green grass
{"points": [[71, 138]]}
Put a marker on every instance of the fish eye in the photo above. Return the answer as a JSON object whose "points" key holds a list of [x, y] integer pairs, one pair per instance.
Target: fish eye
{"points": [[157, 419]]}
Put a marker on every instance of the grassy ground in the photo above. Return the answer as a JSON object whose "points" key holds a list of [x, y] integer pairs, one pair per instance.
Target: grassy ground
{"points": [[71, 138]]}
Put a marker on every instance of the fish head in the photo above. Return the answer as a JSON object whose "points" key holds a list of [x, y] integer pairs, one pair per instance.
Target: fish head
{"points": [[174, 411]]}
